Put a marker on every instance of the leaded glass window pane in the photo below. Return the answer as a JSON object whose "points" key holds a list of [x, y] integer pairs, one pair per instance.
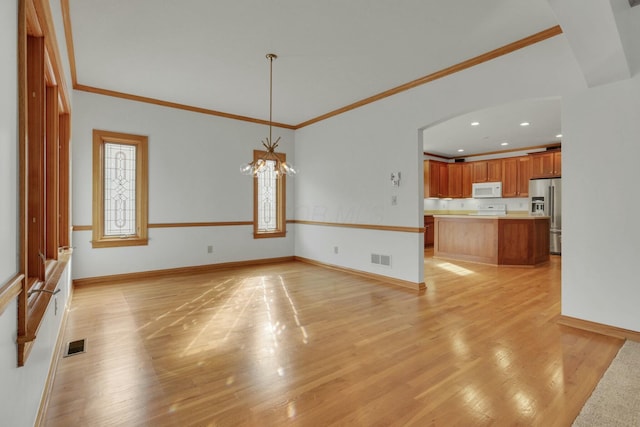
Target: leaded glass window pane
{"points": [[267, 198], [119, 189]]}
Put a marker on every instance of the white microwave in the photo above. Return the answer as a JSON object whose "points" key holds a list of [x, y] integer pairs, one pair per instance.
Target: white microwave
{"points": [[485, 190]]}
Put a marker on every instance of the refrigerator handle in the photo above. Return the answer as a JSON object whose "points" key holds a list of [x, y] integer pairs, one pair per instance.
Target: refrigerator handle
{"points": [[552, 206]]}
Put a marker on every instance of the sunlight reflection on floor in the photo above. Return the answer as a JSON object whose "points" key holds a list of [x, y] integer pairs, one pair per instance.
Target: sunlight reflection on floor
{"points": [[456, 269]]}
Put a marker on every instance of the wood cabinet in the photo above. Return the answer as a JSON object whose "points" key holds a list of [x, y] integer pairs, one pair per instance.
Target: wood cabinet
{"points": [[467, 179], [436, 179], [494, 170], [455, 179], [428, 231], [492, 240], [479, 171], [487, 170], [547, 164], [516, 172]]}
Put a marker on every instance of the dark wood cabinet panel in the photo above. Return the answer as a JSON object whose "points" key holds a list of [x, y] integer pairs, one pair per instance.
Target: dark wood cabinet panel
{"points": [[428, 231]]}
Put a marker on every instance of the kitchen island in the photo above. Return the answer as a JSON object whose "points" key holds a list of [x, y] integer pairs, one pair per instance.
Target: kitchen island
{"points": [[497, 240]]}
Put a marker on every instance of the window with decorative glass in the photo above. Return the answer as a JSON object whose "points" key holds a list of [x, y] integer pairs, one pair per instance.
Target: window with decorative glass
{"points": [[269, 188], [119, 189]]}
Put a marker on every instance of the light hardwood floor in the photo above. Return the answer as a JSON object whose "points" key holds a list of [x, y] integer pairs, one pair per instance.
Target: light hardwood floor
{"points": [[295, 344]]}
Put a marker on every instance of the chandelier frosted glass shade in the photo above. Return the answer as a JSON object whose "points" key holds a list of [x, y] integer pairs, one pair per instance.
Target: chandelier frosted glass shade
{"points": [[280, 167]]}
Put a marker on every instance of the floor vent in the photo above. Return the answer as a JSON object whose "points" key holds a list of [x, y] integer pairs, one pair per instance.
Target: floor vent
{"points": [[75, 347]]}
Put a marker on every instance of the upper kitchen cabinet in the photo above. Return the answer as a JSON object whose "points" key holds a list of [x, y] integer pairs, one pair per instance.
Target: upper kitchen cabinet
{"points": [[487, 171], [436, 179], [547, 164], [467, 179], [455, 179], [516, 172]]}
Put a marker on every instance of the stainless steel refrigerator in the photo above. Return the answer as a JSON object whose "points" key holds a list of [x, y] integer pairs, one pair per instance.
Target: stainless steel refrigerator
{"points": [[546, 199]]}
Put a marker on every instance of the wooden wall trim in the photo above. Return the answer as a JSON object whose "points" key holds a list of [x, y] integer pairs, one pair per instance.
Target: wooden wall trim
{"points": [[503, 50], [68, 35], [200, 224], [362, 226], [289, 221], [611, 331], [176, 105], [390, 280], [33, 23], [45, 20], [181, 224], [102, 280], [488, 56], [10, 290], [540, 148]]}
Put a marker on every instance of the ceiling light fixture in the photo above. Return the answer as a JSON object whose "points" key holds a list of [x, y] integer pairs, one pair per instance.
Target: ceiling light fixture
{"points": [[504, 143], [525, 124], [559, 135], [256, 166], [475, 123], [460, 150]]}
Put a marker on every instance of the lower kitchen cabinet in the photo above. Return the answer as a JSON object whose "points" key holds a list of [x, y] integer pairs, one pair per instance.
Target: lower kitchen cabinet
{"points": [[428, 231]]}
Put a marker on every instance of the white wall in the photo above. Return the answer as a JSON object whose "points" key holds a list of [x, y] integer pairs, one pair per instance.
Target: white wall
{"points": [[194, 176], [20, 388], [346, 160], [601, 235], [8, 141]]}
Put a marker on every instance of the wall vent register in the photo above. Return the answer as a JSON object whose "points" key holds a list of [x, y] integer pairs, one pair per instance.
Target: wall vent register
{"points": [[381, 259]]}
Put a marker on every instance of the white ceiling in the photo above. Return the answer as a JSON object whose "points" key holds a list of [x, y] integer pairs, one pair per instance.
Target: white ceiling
{"points": [[331, 53], [497, 125], [211, 54]]}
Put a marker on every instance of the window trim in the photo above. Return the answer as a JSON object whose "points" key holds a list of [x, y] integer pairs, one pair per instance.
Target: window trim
{"points": [[100, 138], [43, 143], [281, 192]]}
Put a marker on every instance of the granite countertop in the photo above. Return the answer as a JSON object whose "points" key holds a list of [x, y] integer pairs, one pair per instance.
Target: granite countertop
{"points": [[474, 216]]}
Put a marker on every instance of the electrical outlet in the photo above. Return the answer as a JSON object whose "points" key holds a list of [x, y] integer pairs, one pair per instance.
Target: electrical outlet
{"points": [[209, 249]]}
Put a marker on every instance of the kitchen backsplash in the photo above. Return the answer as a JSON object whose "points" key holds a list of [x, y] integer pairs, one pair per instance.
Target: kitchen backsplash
{"points": [[515, 204]]}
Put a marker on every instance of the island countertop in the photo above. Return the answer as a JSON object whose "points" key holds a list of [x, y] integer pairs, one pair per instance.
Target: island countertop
{"points": [[515, 240], [516, 216]]}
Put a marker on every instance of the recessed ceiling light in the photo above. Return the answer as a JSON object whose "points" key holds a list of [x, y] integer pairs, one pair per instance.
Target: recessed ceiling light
{"points": [[475, 123], [525, 124], [559, 135], [460, 150], [504, 143]]}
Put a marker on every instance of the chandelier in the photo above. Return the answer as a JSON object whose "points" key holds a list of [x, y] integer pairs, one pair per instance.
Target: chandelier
{"points": [[280, 166]]}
